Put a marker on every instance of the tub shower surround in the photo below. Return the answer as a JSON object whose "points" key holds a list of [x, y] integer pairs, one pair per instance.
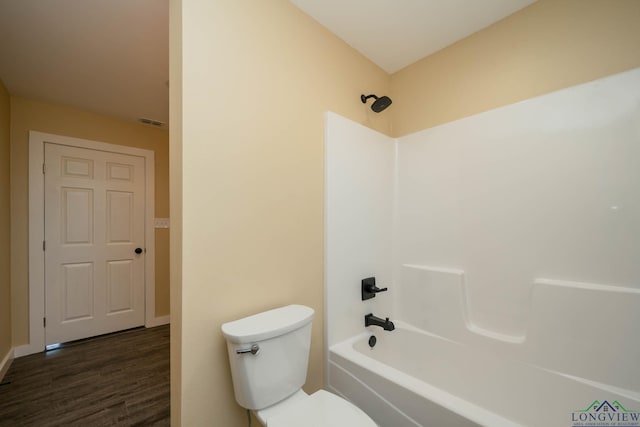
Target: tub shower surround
{"points": [[509, 242], [463, 377]]}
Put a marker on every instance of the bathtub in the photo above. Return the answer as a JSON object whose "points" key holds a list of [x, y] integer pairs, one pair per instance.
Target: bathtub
{"points": [[414, 378]]}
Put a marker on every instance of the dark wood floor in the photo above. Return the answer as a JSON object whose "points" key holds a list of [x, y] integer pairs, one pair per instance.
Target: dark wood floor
{"points": [[119, 379]]}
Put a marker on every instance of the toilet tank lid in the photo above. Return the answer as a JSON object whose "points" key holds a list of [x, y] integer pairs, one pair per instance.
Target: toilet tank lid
{"points": [[267, 324]]}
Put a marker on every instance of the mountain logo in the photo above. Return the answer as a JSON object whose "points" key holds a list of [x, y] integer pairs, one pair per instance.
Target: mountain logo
{"points": [[605, 413]]}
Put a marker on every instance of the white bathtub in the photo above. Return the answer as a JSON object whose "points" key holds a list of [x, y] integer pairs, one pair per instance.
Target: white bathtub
{"points": [[413, 378]]}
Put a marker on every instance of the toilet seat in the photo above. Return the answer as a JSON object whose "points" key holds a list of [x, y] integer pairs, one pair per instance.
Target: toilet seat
{"points": [[321, 409]]}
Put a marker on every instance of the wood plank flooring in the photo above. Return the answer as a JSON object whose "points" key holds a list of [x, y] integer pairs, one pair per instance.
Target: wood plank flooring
{"points": [[119, 379]]}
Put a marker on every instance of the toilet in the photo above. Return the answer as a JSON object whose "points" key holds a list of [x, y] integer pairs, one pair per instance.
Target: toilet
{"points": [[269, 354]]}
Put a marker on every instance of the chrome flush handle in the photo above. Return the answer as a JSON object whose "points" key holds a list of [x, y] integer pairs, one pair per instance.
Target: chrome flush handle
{"points": [[255, 348]]}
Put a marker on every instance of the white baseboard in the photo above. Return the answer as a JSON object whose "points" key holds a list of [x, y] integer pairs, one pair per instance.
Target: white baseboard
{"points": [[158, 321], [6, 363], [27, 349]]}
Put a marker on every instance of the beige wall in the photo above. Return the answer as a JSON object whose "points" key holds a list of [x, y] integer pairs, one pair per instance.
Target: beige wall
{"points": [[547, 46], [250, 81], [175, 189], [29, 115], [5, 215], [257, 77]]}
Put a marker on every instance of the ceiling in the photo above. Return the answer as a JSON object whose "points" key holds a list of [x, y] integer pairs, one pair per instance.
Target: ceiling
{"points": [[106, 56], [112, 56], [397, 33]]}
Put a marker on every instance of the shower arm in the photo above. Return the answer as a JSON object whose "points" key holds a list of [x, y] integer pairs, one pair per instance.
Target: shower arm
{"points": [[364, 98]]}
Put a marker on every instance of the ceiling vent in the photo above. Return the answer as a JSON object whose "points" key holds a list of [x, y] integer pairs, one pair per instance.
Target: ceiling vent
{"points": [[151, 122]]}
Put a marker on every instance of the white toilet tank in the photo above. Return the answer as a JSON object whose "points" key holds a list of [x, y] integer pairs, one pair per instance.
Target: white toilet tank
{"points": [[277, 367]]}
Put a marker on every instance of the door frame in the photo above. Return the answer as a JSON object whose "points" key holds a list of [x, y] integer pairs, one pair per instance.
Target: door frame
{"points": [[36, 231]]}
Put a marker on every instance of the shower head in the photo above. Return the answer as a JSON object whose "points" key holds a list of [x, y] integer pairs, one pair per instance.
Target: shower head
{"points": [[379, 104]]}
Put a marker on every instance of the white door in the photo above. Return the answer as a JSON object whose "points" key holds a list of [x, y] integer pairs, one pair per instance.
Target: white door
{"points": [[94, 229]]}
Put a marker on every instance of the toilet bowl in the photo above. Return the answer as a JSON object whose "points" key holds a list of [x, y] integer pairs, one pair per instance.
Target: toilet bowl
{"points": [[268, 356], [321, 409]]}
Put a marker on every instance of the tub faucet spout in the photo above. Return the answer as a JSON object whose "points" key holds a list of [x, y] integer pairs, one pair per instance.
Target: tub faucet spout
{"points": [[371, 320]]}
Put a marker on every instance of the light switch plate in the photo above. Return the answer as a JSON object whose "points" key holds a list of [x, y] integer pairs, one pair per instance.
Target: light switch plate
{"points": [[161, 222]]}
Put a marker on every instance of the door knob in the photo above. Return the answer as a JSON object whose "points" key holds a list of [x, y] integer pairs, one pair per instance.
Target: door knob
{"points": [[138, 251]]}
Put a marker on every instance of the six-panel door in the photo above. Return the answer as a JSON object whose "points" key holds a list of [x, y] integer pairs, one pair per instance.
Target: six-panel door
{"points": [[94, 222]]}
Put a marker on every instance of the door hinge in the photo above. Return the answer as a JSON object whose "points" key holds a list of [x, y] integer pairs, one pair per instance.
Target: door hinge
{"points": [[44, 168], [44, 322], [44, 245]]}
